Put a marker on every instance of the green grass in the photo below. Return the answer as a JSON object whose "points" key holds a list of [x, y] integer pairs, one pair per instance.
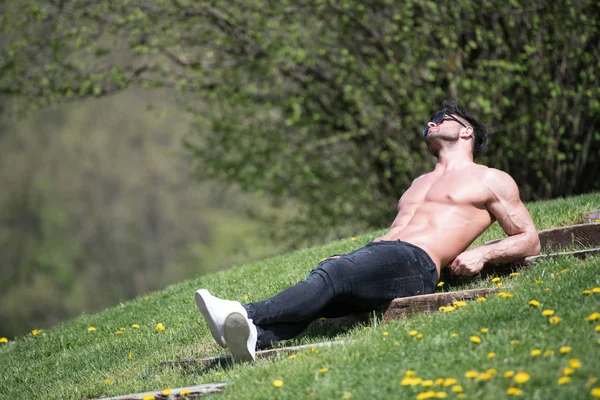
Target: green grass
{"points": [[67, 361]]}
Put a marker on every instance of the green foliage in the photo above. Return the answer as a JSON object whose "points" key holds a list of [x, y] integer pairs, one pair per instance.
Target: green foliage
{"points": [[323, 101], [97, 207]]}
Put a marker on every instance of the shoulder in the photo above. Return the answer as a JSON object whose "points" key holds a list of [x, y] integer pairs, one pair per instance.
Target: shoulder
{"points": [[499, 183]]}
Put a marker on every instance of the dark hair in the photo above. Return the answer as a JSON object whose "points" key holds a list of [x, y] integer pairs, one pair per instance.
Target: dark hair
{"points": [[480, 133]]}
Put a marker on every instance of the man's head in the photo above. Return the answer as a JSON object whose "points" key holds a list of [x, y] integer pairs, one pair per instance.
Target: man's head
{"points": [[453, 123]]}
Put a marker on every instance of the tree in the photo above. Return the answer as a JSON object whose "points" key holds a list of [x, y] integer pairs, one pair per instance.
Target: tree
{"points": [[323, 101]]}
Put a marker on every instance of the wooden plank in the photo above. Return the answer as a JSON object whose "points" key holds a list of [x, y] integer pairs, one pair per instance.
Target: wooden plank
{"points": [[583, 235], [490, 269], [407, 306], [225, 359], [194, 391], [591, 216]]}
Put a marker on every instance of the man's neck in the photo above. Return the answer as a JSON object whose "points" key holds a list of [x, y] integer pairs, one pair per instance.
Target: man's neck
{"points": [[453, 159]]}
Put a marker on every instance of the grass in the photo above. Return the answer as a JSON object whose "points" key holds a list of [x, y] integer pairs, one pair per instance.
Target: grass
{"points": [[67, 361]]}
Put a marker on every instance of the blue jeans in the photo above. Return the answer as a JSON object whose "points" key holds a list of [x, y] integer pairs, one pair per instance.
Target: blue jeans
{"points": [[361, 280]]}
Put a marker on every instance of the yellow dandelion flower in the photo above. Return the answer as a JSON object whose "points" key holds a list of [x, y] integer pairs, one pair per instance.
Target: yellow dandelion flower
{"points": [[385, 333], [548, 353], [160, 327], [587, 292], [218, 373], [491, 371], [515, 341], [461, 395], [91, 329], [563, 270], [278, 383], [324, 258], [514, 274], [454, 335], [513, 391], [135, 326], [484, 330], [574, 363], [538, 282], [353, 239], [118, 332], [546, 289], [509, 374], [292, 356], [504, 294], [346, 395], [314, 350], [563, 380], [323, 370], [147, 297], [107, 381], [323, 319], [410, 381], [554, 320], [496, 279], [565, 349], [122, 329], [593, 316], [521, 377], [480, 299], [36, 332], [475, 339], [167, 391], [534, 303], [426, 395], [440, 284], [245, 297], [438, 381], [130, 355], [499, 284], [484, 376], [449, 382], [595, 392], [597, 328], [596, 290], [491, 355], [535, 352], [547, 313], [471, 374], [441, 395], [410, 373], [148, 397], [3, 340], [413, 333], [185, 392], [420, 336], [567, 371], [459, 303], [457, 388], [427, 383]]}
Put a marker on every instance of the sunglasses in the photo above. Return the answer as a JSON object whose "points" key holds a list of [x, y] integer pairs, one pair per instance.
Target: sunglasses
{"points": [[438, 119]]}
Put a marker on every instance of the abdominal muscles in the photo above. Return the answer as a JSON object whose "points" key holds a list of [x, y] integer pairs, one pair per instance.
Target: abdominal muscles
{"points": [[443, 230]]}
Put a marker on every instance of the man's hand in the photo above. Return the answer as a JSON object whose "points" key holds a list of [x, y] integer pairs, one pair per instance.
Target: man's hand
{"points": [[468, 263]]}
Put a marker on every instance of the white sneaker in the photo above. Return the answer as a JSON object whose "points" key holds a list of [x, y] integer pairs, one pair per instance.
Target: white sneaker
{"points": [[216, 311], [240, 335]]}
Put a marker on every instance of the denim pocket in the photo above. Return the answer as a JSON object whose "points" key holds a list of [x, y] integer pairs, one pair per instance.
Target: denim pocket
{"points": [[407, 286]]}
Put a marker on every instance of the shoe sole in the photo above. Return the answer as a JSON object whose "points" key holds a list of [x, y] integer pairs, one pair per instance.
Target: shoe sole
{"points": [[206, 312], [236, 332]]}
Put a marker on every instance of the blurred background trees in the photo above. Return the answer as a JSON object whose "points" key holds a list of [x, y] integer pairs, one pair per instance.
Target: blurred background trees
{"points": [[316, 105]]}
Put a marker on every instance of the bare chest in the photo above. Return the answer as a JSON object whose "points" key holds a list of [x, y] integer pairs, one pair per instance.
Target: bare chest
{"points": [[456, 189]]}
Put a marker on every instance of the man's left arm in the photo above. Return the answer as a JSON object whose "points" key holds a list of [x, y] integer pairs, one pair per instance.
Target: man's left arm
{"points": [[505, 205]]}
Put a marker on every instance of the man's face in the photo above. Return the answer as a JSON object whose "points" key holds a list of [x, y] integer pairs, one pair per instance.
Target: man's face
{"points": [[443, 125], [443, 128]]}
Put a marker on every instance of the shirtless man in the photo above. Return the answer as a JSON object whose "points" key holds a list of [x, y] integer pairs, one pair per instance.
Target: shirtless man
{"points": [[439, 216]]}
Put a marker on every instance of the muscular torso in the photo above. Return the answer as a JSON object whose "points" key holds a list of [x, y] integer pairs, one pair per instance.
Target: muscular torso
{"points": [[443, 212]]}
